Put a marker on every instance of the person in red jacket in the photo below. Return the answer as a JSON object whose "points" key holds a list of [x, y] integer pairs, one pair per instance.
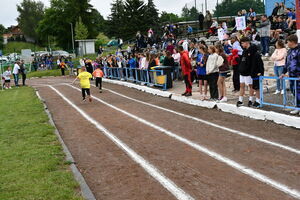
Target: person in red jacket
{"points": [[186, 70]]}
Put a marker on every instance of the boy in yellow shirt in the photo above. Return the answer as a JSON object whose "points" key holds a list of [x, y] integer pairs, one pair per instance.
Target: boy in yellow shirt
{"points": [[84, 78]]}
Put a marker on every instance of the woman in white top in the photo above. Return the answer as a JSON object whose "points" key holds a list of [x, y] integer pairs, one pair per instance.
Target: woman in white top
{"points": [[213, 63], [6, 76]]}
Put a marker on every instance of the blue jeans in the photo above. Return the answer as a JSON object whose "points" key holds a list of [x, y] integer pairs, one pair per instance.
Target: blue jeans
{"points": [[295, 88], [16, 78], [278, 72], [265, 41]]}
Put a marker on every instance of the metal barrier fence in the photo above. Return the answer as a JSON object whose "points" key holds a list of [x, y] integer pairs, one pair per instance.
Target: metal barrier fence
{"points": [[140, 76], [290, 99]]}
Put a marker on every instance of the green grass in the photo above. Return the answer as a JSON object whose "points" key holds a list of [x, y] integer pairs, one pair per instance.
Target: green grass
{"points": [[16, 47], [32, 164], [39, 74]]}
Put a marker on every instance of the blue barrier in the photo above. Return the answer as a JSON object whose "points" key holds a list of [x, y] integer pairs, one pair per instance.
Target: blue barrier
{"points": [[140, 76], [289, 98]]}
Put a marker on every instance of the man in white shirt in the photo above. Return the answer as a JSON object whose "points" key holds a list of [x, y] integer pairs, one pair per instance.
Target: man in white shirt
{"points": [[16, 71]]}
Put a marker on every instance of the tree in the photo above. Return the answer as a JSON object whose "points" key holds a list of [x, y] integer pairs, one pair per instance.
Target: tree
{"points": [[115, 19], [61, 14], [135, 18], [230, 8], [30, 14], [169, 18], [151, 15], [2, 31], [189, 14], [81, 31]]}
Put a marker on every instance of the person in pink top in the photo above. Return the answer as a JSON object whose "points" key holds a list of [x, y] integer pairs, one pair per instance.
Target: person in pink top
{"points": [[279, 57]]}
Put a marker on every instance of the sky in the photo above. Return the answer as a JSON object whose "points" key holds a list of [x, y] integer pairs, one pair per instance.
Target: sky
{"points": [[9, 13]]}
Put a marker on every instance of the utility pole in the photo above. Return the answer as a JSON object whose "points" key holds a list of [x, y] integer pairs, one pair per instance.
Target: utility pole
{"points": [[196, 4], [202, 8], [72, 38], [205, 5]]}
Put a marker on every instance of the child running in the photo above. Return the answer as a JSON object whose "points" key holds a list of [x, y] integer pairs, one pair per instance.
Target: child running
{"points": [[6, 76], [98, 74], [84, 78]]}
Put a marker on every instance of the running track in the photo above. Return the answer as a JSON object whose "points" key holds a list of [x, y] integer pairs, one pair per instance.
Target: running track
{"points": [[133, 145]]}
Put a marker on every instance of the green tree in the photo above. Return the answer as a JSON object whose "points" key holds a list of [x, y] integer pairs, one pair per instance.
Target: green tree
{"points": [[230, 8], [2, 31], [134, 18], [81, 31], [116, 19], [30, 14], [151, 15], [169, 18], [61, 14]]}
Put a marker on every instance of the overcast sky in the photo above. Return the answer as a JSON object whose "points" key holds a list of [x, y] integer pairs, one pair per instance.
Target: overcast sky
{"points": [[8, 11]]}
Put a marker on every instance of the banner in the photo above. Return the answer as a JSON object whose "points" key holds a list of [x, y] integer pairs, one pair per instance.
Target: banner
{"points": [[241, 23]]}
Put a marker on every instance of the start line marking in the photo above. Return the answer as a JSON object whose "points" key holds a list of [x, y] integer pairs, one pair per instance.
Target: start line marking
{"points": [[152, 170], [246, 170], [240, 133]]}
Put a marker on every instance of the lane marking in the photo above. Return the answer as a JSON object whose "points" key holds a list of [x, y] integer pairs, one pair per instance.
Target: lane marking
{"points": [[246, 170], [148, 167], [240, 133]]}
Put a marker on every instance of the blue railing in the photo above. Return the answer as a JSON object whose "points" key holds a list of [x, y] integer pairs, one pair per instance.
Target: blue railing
{"points": [[139, 76], [288, 100]]}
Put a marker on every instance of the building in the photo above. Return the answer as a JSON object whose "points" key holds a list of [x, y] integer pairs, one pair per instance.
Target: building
{"points": [[13, 33]]}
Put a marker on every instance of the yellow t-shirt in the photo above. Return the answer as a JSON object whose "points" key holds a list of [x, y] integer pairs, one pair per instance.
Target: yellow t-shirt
{"points": [[84, 78]]}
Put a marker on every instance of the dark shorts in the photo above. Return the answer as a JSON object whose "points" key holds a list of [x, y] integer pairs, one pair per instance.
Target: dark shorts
{"points": [[7, 81], [224, 74], [202, 77], [255, 84]]}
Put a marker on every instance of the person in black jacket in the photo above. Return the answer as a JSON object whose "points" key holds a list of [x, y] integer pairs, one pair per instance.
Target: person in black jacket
{"points": [[201, 20], [251, 67]]}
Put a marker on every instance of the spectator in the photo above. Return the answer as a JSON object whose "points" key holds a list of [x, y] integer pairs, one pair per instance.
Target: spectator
{"points": [[279, 57], [201, 20], [236, 45], [100, 51], [176, 57], [170, 47], [265, 34], [251, 67], [201, 71], [223, 73], [186, 70], [208, 19], [281, 27], [227, 47], [252, 17], [169, 61], [275, 9], [16, 72], [189, 30], [291, 18], [213, 63], [120, 43], [23, 72], [234, 61], [292, 67], [281, 9], [7, 75], [193, 53]]}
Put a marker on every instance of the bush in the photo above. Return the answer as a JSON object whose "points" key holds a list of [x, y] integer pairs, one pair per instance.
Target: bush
{"points": [[102, 40]]}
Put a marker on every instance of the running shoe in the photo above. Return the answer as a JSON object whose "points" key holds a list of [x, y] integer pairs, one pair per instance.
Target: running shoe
{"points": [[239, 103], [295, 112], [100, 91], [188, 94], [250, 103], [256, 104]]}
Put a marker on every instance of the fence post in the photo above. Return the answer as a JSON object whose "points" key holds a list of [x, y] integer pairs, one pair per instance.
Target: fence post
{"points": [[261, 91], [284, 91]]}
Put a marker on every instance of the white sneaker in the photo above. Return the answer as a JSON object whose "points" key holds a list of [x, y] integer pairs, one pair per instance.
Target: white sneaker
{"points": [[266, 55], [282, 92], [276, 92], [224, 99], [295, 112]]}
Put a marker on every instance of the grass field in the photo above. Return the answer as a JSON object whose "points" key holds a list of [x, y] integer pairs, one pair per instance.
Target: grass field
{"points": [[32, 164], [39, 74]]}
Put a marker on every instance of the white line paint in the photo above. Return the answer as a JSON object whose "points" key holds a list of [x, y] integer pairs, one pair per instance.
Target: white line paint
{"points": [[152, 170], [243, 134], [246, 170]]}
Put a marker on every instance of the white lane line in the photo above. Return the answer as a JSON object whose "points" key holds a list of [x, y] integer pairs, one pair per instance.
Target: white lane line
{"points": [[240, 133], [151, 169], [246, 170]]}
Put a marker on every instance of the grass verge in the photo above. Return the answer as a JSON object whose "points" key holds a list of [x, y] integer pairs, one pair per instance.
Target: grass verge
{"points": [[39, 74], [32, 164]]}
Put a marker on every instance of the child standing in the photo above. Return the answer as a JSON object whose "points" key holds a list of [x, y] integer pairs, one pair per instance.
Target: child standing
{"points": [[234, 61], [201, 71], [84, 78], [98, 74], [6, 76]]}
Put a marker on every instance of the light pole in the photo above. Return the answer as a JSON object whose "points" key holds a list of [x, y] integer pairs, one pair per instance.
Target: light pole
{"points": [[72, 37]]}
